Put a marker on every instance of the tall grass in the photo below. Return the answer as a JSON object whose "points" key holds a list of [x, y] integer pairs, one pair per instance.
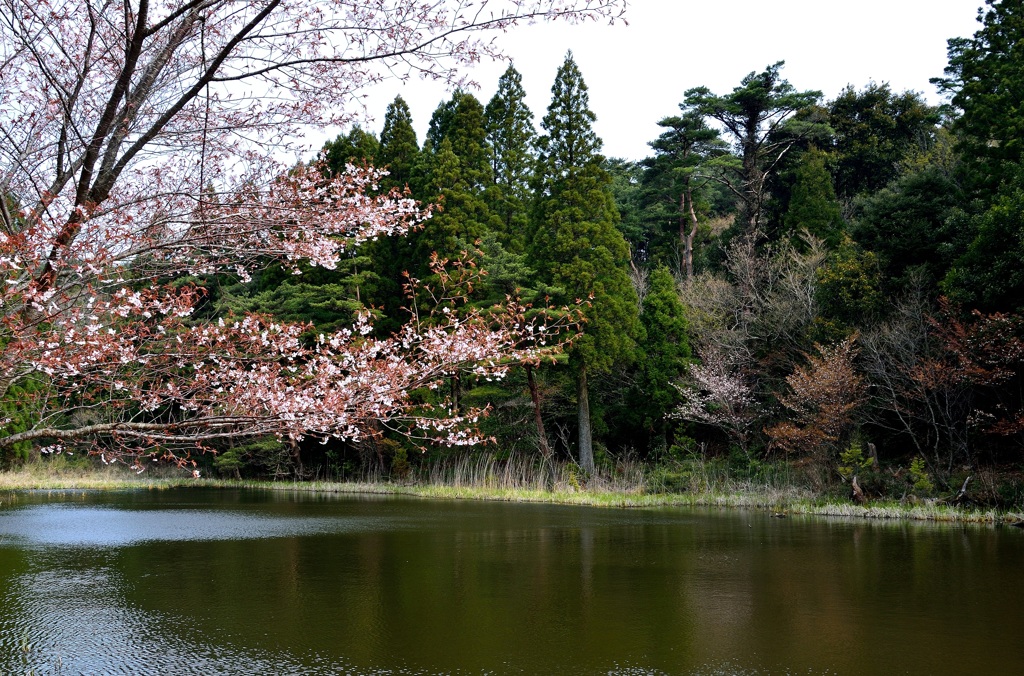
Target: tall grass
{"points": [[520, 472], [62, 472]]}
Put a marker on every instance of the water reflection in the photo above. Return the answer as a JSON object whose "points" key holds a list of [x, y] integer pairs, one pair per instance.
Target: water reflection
{"points": [[200, 582], [63, 618], [87, 526]]}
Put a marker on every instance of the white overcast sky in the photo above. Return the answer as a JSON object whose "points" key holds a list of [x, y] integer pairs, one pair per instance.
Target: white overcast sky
{"points": [[637, 73]]}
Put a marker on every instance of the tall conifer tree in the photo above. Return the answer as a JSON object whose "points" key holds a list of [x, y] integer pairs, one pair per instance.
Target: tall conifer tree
{"points": [[575, 241], [442, 121], [456, 166], [512, 136], [662, 358], [985, 78], [468, 136], [399, 149], [399, 153], [462, 215]]}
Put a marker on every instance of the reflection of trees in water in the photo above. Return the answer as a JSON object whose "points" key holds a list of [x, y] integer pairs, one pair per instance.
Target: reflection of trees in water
{"points": [[437, 586]]}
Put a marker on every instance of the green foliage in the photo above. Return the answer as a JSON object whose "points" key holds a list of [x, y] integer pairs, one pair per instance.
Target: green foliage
{"points": [[400, 467], [813, 206], [510, 131], [328, 299], [576, 245], [453, 226], [678, 179], [989, 275], [905, 225], [627, 193], [663, 479], [755, 114], [852, 461], [392, 256], [456, 174], [16, 405], [510, 274], [848, 292], [985, 77], [358, 147], [662, 356], [468, 136], [919, 478], [266, 456], [875, 131], [442, 122], [398, 149]]}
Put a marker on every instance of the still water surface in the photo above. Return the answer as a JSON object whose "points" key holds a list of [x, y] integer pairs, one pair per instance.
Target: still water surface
{"points": [[206, 582]]}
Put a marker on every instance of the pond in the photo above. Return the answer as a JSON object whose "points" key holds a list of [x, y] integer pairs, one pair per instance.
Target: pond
{"points": [[201, 581]]}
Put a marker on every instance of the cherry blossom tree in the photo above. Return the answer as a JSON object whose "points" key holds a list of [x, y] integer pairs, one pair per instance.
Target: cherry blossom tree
{"points": [[715, 393], [137, 147]]}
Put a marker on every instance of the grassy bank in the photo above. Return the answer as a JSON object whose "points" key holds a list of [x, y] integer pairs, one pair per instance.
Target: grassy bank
{"points": [[486, 479]]}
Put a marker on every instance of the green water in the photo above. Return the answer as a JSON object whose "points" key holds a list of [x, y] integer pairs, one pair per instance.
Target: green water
{"points": [[207, 582]]}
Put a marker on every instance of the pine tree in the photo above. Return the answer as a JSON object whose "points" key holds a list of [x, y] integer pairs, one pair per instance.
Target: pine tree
{"points": [[875, 130], [760, 116], [576, 244], [674, 174], [511, 134]]}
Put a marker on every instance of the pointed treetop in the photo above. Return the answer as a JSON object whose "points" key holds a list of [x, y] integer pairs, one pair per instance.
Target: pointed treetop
{"points": [[441, 122], [570, 141], [398, 145], [510, 129]]}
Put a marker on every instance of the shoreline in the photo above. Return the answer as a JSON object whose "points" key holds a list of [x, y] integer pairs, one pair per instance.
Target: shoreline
{"points": [[779, 503]]}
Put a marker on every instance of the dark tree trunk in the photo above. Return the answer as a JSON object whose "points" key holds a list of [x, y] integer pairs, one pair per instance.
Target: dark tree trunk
{"points": [[296, 453], [456, 386], [586, 439], [542, 436]]}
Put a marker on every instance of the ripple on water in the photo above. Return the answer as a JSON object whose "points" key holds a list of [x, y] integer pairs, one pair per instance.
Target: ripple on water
{"points": [[69, 615], [65, 621]]}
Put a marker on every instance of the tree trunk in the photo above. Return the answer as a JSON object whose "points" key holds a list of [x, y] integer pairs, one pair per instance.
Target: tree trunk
{"points": [[456, 385], [296, 454], [545, 449], [858, 492], [873, 454], [586, 439], [687, 199]]}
